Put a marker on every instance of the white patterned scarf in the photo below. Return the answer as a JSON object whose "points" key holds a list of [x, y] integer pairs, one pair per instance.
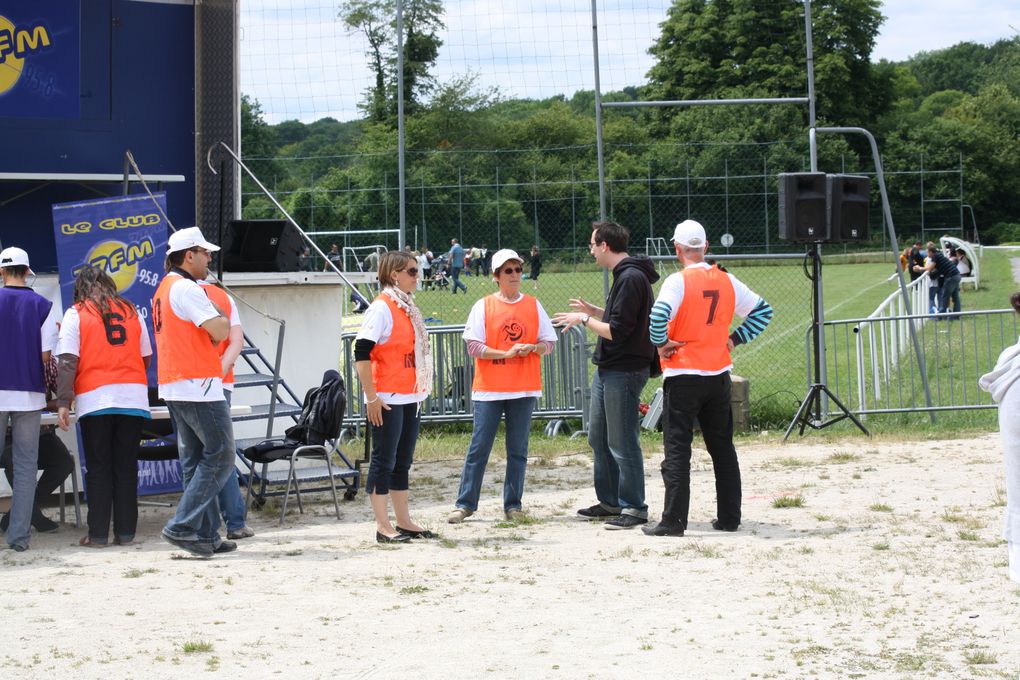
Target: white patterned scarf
{"points": [[422, 348]]}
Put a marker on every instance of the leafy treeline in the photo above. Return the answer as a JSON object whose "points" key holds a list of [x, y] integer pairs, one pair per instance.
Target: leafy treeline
{"points": [[519, 171]]}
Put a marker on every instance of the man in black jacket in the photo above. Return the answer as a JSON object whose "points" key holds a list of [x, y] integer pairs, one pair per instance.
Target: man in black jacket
{"points": [[625, 357]]}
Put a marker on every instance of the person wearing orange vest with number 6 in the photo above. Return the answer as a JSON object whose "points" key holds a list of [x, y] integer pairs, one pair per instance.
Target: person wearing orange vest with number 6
{"points": [[507, 333], [690, 324], [103, 353], [394, 362]]}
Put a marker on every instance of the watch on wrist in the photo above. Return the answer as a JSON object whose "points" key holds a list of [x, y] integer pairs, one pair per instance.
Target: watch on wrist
{"points": [[585, 320]]}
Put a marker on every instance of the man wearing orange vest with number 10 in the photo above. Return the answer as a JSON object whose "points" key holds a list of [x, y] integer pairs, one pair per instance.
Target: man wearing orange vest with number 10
{"points": [[690, 324], [187, 326]]}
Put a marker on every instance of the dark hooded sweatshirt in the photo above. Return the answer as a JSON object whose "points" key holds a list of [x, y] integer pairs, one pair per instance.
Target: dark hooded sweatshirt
{"points": [[627, 310]]}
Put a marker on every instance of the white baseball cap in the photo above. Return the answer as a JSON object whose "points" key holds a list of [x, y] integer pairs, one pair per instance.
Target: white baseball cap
{"points": [[13, 257], [690, 234], [188, 238], [502, 256]]}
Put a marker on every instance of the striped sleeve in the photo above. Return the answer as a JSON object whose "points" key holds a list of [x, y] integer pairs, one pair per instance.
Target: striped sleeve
{"points": [[658, 322], [753, 324]]}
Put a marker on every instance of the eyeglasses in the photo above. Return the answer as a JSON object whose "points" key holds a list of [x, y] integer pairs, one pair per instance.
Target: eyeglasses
{"points": [[410, 271], [592, 245], [512, 270]]}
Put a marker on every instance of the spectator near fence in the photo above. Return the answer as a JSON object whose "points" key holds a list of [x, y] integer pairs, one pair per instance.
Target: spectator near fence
{"points": [[26, 342], [1004, 385], [507, 333], [456, 258], [690, 325], [624, 358], [940, 266]]}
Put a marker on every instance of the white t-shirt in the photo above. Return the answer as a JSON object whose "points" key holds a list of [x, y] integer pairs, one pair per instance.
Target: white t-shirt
{"points": [[117, 395], [423, 262], [672, 293], [377, 326], [474, 329], [16, 400], [235, 320], [189, 302]]}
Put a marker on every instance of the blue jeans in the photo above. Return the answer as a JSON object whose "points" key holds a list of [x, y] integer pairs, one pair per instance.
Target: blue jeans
{"points": [[457, 283], [205, 441], [486, 421], [25, 455], [613, 436], [230, 498], [949, 291], [393, 449]]}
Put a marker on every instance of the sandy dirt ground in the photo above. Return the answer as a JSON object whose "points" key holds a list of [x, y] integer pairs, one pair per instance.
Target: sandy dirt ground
{"points": [[892, 567]]}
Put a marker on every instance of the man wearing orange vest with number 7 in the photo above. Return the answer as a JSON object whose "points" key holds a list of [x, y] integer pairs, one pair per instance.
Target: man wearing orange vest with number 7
{"points": [[188, 326], [690, 324]]}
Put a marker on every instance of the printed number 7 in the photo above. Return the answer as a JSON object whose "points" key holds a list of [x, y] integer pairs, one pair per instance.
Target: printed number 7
{"points": [[714, 296]]}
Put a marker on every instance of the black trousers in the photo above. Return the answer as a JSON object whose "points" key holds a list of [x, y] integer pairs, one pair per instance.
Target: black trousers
{"points": [[54, 460], [706, 398], [111, 474]]}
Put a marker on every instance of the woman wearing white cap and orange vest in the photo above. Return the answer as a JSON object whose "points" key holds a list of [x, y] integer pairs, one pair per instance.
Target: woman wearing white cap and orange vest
{"points": [[507, 332], [103, 354], [394, 363]]}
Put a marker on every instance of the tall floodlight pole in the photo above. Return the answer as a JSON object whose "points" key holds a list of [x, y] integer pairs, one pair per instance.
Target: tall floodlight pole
{"points": [[599, 144], [402, 236]]}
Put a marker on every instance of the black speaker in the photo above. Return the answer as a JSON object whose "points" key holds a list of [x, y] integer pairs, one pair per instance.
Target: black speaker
{"points": [[261, 246], [803, 217], [848, 197]]}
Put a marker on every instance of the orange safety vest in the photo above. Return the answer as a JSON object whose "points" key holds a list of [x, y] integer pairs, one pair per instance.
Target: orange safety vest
{"points": [[184, 351], [393, 368], [703, 321], [506, 325], [111, 347], [220, 298]]}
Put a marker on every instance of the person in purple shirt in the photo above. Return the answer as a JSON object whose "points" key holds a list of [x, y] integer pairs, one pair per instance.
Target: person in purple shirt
{"points": [[28, 338]]}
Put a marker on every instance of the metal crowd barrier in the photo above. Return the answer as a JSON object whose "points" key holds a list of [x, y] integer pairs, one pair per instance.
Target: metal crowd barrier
{"points": [[872, 367], [566, 388]]}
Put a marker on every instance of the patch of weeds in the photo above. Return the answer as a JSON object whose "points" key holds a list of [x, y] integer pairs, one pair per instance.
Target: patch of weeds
{"points": [[822, 518], [880, 507], [788, 501], [999, 497], [293, 553], [448, 543], [968, 535], [522, 520], [138, 573], [856, 475], [910, 662], [841, 457], [212, 664], [414, 590], [884, 545], [703, 549], [646, 647], [980, 657], [196, 647], [791, 462]]}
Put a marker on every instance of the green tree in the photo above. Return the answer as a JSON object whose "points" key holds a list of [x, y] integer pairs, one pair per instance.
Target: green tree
{"points": [[376, 20]]}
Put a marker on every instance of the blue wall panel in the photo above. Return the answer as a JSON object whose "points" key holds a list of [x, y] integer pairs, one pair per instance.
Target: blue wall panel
{"points": [[137, 92]]}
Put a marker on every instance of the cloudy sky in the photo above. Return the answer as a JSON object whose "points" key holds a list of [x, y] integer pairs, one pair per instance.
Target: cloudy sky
{"points": [[300, 61]]}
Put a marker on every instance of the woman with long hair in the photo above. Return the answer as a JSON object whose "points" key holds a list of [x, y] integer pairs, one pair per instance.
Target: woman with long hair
{"points": [[507, 333], [394, 363], [1004, 385], [103, 353]]}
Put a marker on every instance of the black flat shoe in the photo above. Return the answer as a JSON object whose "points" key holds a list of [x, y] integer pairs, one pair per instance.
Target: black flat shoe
{"points": [[383, 538], [719, 526], [424, 533], [661, 529]]}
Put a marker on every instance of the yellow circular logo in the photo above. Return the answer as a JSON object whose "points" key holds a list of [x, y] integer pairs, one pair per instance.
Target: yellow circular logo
{"points": [[111, 257], [12, 66]]}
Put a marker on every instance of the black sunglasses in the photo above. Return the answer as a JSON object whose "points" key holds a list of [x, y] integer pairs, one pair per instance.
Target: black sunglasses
{"points": [[512, 270], [410, 271]]}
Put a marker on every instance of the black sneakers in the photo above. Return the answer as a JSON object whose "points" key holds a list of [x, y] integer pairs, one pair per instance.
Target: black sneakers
{"points": [[661, 529], [719, 526], [196, 548], [597, 511], [625, 522]]}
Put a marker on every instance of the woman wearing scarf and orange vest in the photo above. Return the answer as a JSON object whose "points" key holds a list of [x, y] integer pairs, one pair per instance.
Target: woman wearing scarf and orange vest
{"points": [[394, 364], [103, 353], [507, 332]]}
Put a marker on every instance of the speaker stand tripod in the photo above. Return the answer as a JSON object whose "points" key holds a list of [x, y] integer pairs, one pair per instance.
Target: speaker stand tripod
{"points": [[811, 412]]}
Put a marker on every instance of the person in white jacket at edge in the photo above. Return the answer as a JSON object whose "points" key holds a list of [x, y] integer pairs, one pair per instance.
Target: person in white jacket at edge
{"points": [[1004, 385]]}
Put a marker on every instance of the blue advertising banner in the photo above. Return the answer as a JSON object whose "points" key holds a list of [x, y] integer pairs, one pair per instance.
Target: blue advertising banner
{"points": [[40, 59], [126, 236]]}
